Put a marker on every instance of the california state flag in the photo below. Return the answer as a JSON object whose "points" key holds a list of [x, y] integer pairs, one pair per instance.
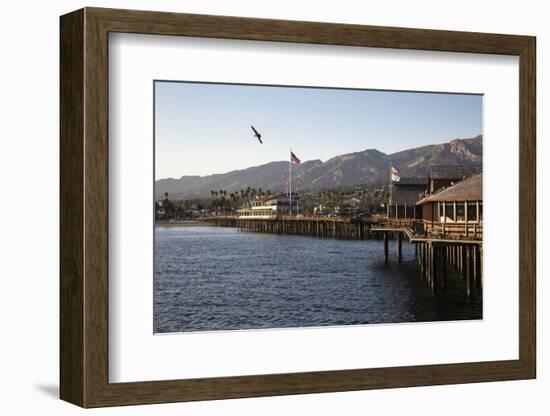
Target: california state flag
{"points": [[395, 174]]}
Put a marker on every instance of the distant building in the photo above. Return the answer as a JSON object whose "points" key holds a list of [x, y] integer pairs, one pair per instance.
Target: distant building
{"points": [[160, 212], [320, 210], [351, 202], [270, 207], [455, 211], [349, 206], [443, 176], [404, 195]]}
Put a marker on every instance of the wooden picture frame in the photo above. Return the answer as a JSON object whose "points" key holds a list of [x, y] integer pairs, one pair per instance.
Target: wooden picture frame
{"points": [[84, 207]]}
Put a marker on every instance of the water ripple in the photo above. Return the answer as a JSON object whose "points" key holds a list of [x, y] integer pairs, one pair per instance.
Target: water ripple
{"points": [[210, 278]]}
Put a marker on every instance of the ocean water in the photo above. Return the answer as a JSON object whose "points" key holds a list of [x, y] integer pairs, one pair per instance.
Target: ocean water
{"points": [[216, 278]]}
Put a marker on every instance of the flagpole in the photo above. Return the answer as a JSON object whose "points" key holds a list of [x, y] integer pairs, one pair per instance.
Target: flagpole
{"points": [[391, 189], [290, 182]]}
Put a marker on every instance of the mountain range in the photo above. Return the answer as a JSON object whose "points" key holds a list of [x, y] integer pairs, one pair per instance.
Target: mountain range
{"points": [[367, 166]]}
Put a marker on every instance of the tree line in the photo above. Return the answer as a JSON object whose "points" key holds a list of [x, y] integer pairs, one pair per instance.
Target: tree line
{"points": [[365, 200]]}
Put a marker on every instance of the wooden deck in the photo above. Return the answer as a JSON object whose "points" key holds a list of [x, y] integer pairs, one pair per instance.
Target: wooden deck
{"points": [[436, 253]]}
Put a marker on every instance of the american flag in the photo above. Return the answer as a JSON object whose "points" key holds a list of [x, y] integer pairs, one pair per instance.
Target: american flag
{"points": [[294, 158], [395, 174]]}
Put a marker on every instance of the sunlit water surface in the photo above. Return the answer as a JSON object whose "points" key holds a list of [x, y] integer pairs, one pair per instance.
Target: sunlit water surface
{"points": [[215, 278]]}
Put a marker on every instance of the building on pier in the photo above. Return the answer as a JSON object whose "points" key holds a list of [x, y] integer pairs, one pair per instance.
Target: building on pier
{"points": [[443, 176], [455, 211], [270, 207], [404, 195], [406, 192]]}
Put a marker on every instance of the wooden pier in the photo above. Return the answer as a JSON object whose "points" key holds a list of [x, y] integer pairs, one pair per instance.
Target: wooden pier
{"points": [[324, 227], [436, 254]]}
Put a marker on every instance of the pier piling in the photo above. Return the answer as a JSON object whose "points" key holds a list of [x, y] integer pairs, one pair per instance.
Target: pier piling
{"points": [[399, 243], [386, 247], [468, 273], [433, 267]]}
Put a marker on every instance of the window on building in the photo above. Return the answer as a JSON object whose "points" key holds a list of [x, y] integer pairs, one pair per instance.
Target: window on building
{"points": [[472, 211], [449, 211], [400, 211], [460, 211]]}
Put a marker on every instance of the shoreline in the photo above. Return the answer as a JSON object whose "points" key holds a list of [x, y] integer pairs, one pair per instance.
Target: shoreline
{"points": [[181, 223]]}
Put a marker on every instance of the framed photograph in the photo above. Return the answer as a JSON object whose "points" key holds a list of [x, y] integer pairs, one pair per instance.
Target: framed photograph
{"points": [[255, 207]]}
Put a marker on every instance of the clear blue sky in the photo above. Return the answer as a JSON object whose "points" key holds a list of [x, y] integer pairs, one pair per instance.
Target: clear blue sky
{"points": [[201, 129]]}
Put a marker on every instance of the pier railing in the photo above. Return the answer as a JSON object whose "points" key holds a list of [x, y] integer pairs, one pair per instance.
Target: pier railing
{"points": [[468, 230]]}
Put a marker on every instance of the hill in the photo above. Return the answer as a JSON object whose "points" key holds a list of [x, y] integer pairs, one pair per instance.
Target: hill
{"points": [[367, 166]]}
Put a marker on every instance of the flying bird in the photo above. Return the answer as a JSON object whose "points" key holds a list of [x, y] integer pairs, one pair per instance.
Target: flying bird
{"points": [[257, 135]]}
